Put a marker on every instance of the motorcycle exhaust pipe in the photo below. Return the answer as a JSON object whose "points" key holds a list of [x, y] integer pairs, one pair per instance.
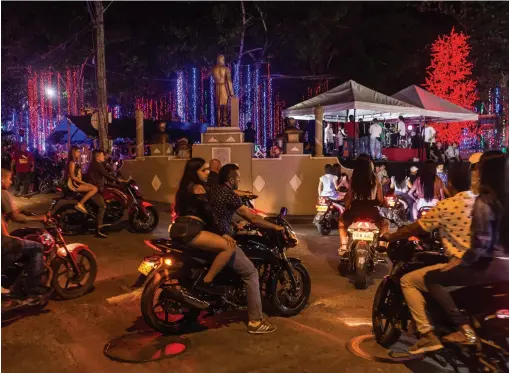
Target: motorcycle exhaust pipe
{"points": [[183, 297]]}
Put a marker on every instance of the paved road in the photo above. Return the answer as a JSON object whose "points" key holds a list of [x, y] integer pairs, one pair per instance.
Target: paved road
{"points": [[69, 336]]}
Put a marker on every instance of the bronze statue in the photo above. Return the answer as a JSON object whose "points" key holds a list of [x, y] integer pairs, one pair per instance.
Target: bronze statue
{"points": [[160, 137], [223, 91]]}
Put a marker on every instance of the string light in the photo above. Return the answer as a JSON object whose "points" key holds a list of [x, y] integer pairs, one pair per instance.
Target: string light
{"points": [[180, 95], [249, 92], [186, 98], [68, 90], [271, 108], [194, 95], [202, 96], [265, 124], [256, 115], [59, 115], [212, 106]]}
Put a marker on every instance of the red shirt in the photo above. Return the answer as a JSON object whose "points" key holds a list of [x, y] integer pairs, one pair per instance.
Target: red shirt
{"points": [[24, 161], [350, 130]]}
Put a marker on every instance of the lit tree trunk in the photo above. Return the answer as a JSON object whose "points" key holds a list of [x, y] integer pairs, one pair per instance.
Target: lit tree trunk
{"points": [[102, 97]]}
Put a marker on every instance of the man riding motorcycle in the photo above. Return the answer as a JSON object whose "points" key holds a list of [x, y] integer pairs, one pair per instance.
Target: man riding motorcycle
{"points": [[452, 218], [225, 203], [97, 175], [13, 248]]}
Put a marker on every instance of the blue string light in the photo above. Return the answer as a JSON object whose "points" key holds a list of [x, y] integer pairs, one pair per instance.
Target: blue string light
{"points": [[194, 95], [180, 95], [249, 87], [271, 111], [264, 114], [212, 107], [236, 78], [257, 103]]}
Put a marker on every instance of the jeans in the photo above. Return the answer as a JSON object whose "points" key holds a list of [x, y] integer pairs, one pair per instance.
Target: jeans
{"points": [[245, 268], [101, 208], [376, 150], [23, 178], [483, 272], [363, 146], [412, 285], [15, 249]]}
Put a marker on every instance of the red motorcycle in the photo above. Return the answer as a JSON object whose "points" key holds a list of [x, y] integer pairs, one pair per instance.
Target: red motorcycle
{"points": [[71, 269], [143, 216]]}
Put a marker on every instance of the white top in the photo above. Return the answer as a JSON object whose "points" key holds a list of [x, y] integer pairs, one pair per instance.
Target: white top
{"points": [[452, 218], [452, 153], [375, 130], [329, 185], [329, 134], [398, 189], [339, 137], [402, 128], [429, 134]]}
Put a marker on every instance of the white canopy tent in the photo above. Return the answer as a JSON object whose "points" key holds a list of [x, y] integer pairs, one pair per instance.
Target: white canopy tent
{"points": [[351, 96], [435, 108]]}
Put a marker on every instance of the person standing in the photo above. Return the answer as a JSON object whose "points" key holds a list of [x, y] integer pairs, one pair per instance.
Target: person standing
{"points": [[23, 160], [350, 136], [429, 138], [250, 133], [329, 138], [401, 134], [375, 132], [340, 138], [363, 137]]}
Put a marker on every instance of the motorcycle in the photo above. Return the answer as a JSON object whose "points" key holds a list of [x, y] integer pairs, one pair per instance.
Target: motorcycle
{"points": [[143, 216], [70, 268], [486, 305], [362, 256], [328, 212], [170, 301]]}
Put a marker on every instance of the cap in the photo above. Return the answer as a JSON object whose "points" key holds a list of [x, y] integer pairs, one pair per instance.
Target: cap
{"points": [[414, 169], [475, 158]]}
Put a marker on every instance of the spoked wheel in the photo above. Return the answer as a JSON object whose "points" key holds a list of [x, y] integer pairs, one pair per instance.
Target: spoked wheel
{"points": [[147, 223], [69, 284], [287, 300], [160, 311], [384, 321]]}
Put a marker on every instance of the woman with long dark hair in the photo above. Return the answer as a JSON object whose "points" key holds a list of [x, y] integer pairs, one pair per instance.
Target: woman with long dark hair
{"points": [[364, 194], [74, 179], [428, 189], [195, 224], [487, 260]]}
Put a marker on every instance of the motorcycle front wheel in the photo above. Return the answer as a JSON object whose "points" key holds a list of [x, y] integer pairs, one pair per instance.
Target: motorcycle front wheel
{"points": [[162, 313], [68, 284], [384, 328], [286, 300], [144, 224]]}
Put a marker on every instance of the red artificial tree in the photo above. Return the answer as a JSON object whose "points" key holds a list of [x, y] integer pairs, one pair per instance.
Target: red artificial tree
{"points": [[449, 77]]}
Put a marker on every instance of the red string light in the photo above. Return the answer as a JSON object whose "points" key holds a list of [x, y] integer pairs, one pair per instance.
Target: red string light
{"points": [[58, 96], [68, 90], [74, 93]]}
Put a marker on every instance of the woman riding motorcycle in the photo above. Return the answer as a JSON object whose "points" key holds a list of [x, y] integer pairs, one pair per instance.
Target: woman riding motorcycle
{"points": [[428, 189], [195, 225], [487, 261], [74, 179], [364, 195]]}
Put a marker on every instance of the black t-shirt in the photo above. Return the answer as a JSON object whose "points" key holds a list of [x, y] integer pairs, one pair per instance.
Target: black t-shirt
{"points": [[224, 202], [364, 129]]}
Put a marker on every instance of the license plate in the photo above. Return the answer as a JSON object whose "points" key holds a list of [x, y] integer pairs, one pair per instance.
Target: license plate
{"points": [[321, 208], [146, 267], [363, 236]]}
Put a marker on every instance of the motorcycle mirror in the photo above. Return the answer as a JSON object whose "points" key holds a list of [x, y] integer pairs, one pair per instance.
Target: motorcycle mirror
{"points": [[283, 212]]}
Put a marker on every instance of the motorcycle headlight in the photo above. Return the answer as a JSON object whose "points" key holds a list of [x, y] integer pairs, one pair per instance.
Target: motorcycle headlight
{"points": [[47, 240]]}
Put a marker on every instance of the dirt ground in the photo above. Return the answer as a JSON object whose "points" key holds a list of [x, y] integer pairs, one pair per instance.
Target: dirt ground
{"points": [[70, 336]]}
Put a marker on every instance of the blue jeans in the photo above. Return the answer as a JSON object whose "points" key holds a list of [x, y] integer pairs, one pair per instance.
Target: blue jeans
{"points": [[376, 148], [363, 145]]}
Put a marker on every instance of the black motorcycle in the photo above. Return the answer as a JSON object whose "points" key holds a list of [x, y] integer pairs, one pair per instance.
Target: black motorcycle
{"points": [[486, 305], [327, 216], [170, 301], [395, 209]]}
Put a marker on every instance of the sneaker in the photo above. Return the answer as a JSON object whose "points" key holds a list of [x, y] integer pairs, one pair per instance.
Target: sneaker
{"points": [[260, 327], [465, 336], [100, 234], [210, 288], [428, 342], [81, 208]]}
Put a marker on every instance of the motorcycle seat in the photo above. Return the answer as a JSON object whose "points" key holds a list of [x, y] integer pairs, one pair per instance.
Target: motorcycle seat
{"points": [[191, 251]]}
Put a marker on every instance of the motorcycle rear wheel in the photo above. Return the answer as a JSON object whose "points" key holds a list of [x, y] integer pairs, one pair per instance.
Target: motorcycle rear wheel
{"points": [[151, 300], [82, 285], [140, 226], [384, 329], [361, 270], [324, 228], [295, 303]]}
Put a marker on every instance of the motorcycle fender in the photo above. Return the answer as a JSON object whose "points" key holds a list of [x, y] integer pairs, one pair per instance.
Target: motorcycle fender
{"points": [[361, 257], [144, 205], [75, 249]]}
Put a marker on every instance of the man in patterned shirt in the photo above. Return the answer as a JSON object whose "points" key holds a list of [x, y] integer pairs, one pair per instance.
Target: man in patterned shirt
{"points": [[225, 203], [452, 217]]}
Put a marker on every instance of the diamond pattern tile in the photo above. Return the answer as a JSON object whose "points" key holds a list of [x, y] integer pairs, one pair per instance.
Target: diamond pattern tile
{"points": [[295, 183], [156, 183], [259, 183]]}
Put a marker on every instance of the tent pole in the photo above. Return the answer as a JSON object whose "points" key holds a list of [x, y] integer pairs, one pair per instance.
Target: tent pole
{"points": [[354, 133]]}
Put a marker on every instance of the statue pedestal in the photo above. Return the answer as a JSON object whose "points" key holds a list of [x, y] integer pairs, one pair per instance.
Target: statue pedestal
{"points": [[161, 149], [222, 135], [294, 148]]}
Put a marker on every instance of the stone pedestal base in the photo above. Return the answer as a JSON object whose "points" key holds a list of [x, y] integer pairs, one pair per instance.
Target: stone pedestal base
{"points": [[223, 135], [161, 150], [294, 148]]}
